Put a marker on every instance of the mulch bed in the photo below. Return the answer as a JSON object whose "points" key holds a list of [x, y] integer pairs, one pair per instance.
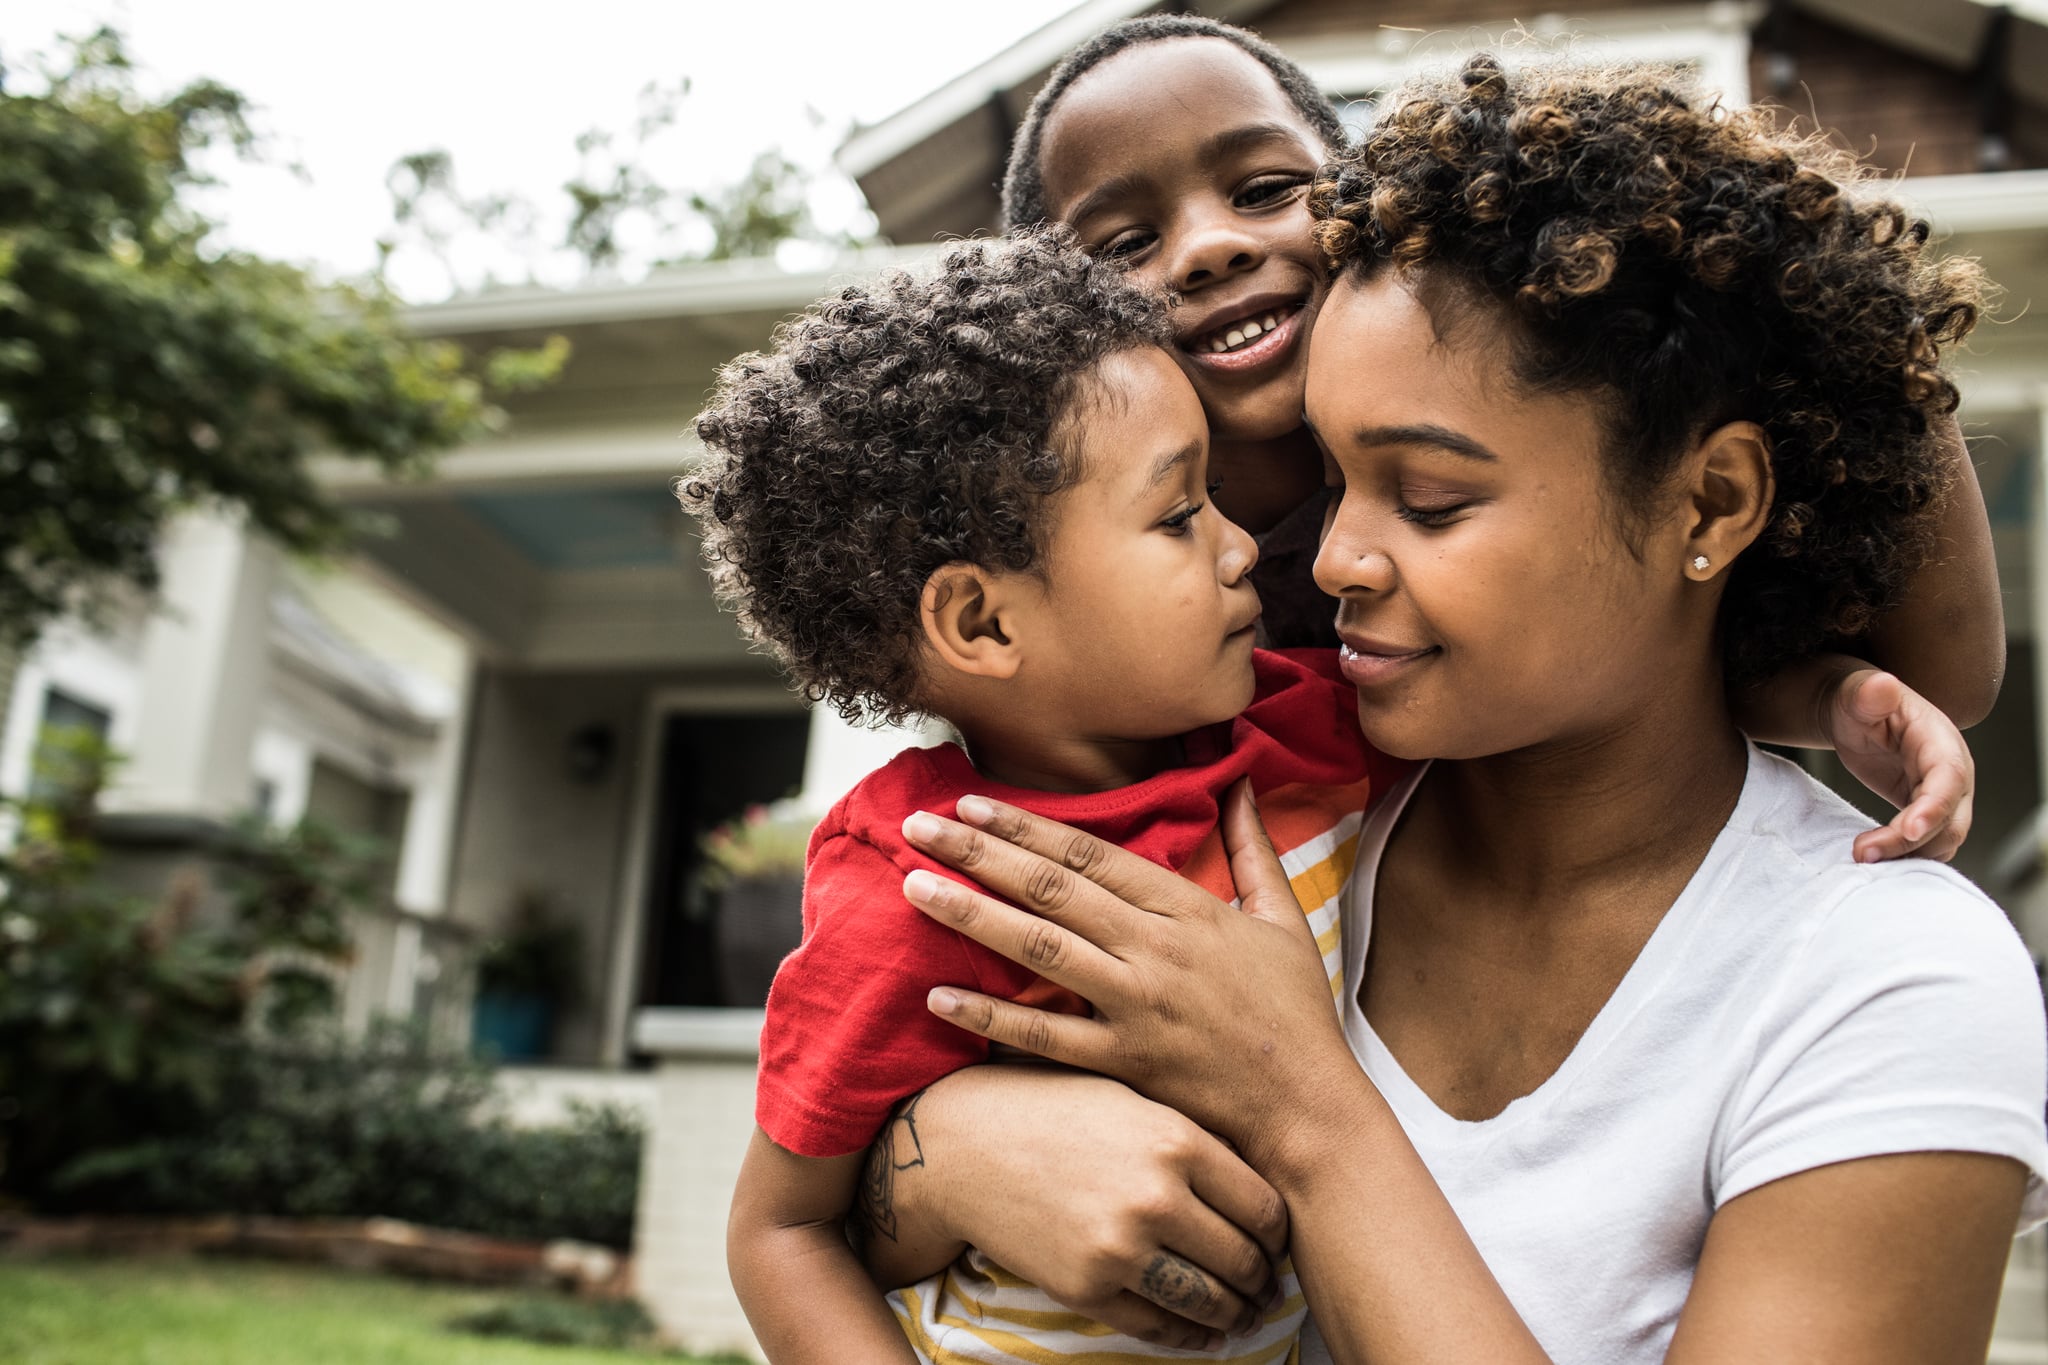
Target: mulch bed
{"points": [[383, 1244]]}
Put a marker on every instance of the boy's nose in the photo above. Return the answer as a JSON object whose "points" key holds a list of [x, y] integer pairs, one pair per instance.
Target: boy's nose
{"points": [[1215, 244]]}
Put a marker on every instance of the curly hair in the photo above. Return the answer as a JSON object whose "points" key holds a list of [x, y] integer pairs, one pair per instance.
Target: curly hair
{"points": [[892, 430], [1023, 186], [1690, 266]]}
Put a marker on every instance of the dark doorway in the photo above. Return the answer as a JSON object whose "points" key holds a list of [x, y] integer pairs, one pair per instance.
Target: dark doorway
{"points": [[712, 769]]}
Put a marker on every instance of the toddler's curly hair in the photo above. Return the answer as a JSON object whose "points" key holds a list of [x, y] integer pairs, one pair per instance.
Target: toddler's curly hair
{"points": [[1690, 266], [896, 428]]}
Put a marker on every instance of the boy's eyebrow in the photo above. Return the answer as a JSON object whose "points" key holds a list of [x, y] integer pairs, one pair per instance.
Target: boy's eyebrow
{"points": [[1247, 136], [1101, 197], [1164, 470], [1226, 143], [1425, 434]]}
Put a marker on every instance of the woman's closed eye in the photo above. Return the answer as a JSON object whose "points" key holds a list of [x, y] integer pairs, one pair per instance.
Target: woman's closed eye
{"points": [[1433, 516]]}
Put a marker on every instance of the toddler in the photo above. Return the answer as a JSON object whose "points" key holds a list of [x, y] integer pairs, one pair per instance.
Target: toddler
{"points": [[984, 496]]}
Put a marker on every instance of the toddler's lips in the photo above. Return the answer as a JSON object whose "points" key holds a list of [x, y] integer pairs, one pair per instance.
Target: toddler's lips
{"points": [[1377, 664]]}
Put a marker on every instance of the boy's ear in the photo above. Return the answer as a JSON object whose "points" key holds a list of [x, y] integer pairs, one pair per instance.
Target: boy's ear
{"points": [[969, 619], [1730, 498]]}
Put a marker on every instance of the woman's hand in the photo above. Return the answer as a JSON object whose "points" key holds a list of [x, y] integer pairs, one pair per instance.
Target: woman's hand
{"points": [[1898, 744], [1223, 1014], [1117, 1207]]}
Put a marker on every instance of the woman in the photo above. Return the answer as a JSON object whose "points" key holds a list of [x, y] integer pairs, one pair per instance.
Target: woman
{"points": [[1651, 1070]]}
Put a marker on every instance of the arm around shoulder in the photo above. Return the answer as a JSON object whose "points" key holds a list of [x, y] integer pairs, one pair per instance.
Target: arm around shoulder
{"points": [[1946, 640]]}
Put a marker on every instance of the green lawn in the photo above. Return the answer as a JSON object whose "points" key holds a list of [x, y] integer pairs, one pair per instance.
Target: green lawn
{"points": [[215, 1312]]}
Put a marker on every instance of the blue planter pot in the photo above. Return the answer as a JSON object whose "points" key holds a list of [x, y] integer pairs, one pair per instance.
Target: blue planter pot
{"points": [[513, 1028]]}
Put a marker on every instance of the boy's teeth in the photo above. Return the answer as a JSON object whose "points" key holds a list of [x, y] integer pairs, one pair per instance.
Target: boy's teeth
{"points": [[1248, 330]]}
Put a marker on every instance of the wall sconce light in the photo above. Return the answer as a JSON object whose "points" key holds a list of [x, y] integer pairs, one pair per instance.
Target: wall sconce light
{"points": [[590, 752]]}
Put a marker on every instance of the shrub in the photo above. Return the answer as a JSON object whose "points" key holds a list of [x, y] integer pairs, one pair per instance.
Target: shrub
{"points": [[383, 1126]]}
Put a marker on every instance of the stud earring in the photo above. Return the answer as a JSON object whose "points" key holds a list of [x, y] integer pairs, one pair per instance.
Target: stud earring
{"points": [[1699, 563]]}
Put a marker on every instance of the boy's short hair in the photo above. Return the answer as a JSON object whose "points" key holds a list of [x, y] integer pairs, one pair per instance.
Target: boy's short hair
{"points": [[901, 426], [1689, 266], [1023, 186]]}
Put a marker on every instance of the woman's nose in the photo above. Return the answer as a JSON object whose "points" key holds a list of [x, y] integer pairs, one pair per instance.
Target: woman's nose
{"points": [[1350, 559]]}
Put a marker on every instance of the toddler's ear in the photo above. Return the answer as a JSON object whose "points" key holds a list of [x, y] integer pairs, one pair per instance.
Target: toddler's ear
{"points": [[968, 615]]}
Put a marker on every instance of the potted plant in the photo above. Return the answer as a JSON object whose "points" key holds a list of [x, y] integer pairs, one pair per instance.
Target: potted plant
{"points": [[525, 978], [754, 863]]}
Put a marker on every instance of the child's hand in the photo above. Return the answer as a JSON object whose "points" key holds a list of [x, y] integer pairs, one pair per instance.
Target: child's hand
{"points": [[1902, 747]]}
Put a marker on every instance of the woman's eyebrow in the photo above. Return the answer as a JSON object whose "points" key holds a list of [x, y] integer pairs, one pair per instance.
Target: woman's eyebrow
{"points": [[1425, 434]]}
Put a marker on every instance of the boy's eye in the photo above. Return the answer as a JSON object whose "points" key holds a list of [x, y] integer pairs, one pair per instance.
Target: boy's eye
{"points": [[1177, 524], [1124, 244], [1267, 190], [1214, 486]]}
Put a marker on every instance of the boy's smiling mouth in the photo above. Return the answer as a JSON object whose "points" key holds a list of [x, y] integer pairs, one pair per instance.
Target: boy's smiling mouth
{"points": [[1248, 335]]}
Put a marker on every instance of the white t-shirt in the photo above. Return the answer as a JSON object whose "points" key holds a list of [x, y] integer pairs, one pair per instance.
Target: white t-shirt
{"points": [[1793, 1009]]}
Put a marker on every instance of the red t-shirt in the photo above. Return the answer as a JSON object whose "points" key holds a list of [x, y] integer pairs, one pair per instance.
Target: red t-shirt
{"points": [[848, 1035]]}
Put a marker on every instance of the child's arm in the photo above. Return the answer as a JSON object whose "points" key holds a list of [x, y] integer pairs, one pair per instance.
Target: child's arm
{"points": [[785, 1244], [1945, 644], [1946, 641]]}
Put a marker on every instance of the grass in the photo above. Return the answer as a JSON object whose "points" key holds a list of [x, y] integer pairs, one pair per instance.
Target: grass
{"points": [[217, 1312]]}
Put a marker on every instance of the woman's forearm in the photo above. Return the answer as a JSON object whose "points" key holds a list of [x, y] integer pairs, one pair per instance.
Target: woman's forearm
{"points": [[897, 1224], [1390, 1274]]}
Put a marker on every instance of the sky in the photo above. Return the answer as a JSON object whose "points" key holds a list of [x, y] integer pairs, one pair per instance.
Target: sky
{"points": [[343, 90]]}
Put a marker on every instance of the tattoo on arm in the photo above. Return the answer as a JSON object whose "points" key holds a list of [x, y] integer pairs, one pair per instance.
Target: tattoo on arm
{"points": [[897, 1149]]}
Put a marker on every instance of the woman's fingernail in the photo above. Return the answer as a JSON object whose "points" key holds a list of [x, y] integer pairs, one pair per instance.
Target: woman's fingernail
{"points": [[939, 1000], [975, 810], [921, 886], [1868, 855], [921, 827]]}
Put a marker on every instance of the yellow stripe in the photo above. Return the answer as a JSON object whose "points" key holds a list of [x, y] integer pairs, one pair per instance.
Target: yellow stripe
{"points": [[1315, 886]]}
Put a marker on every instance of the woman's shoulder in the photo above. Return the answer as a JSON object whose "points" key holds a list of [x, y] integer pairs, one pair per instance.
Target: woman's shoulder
{"points": [[1889, 1006], [1792, 855]]}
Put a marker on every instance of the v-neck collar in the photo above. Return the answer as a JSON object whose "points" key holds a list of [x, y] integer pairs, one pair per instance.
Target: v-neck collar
{"points": [[1660, 956]]}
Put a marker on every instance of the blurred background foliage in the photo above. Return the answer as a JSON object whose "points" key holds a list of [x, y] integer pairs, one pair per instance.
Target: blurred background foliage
{"points": [[172, 1056], [144, 368]]}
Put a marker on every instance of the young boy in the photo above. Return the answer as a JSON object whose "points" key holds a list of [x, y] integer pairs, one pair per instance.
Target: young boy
{"points": [[983, 496]]}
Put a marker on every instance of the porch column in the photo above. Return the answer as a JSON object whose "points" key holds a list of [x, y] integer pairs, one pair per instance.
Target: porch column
{"points": [[427, 855], [2037, 582], [838, 754], [205, 663]]}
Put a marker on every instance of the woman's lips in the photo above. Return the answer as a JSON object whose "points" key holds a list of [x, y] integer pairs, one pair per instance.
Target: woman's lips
{"points": [[1380, 663], [1262, 350]]}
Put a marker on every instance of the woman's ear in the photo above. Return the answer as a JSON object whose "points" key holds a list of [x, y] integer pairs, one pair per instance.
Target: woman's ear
{"points": [[1730, 498], [969, 619]]}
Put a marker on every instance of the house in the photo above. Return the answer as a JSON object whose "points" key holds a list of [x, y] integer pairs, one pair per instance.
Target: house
{"points": [[528, 685]]}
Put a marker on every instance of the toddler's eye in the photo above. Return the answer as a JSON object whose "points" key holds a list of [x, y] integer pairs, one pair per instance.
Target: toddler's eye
{"points": [[1177, 524], [1214, 486]]}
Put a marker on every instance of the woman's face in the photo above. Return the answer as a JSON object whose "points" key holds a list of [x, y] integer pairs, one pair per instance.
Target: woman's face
{"points": [[1486, 599], [1183, 159]]}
